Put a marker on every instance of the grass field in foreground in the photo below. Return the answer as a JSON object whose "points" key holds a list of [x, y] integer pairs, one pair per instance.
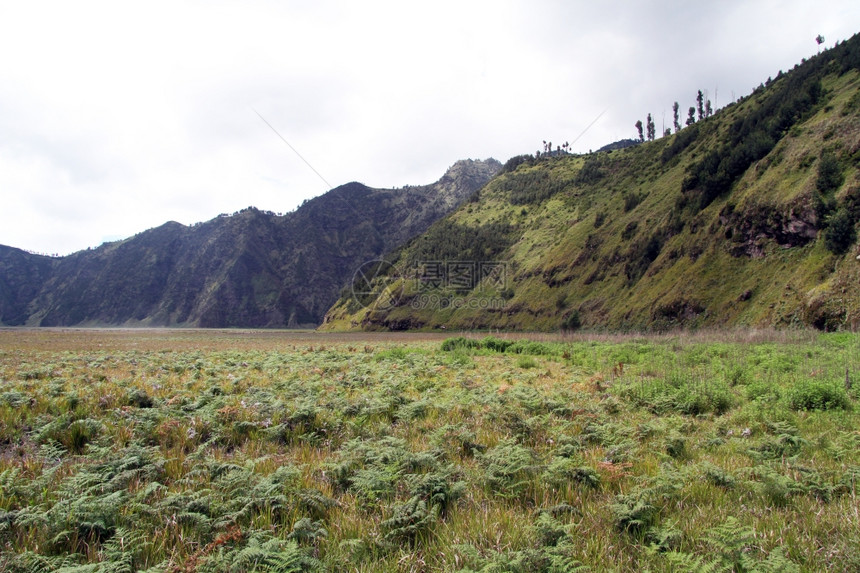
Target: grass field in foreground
{"points": [[184, 450]]}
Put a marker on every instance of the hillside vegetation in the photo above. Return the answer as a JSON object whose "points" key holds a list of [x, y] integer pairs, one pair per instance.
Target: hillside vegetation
{"points": [[747, 217], [250, 269]]}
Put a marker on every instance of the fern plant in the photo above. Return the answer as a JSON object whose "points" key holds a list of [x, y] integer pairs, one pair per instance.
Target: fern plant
{"points": [[548, 530], [634, 513], [731, 542], [440, 488], [718, 476], [508, 468], [563, 470], [412, 522], [124, 552], [261, 554]]}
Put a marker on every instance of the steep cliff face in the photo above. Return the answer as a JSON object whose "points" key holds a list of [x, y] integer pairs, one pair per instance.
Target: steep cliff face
{"points": [[252, 269], [21, 278], [751, 230]]}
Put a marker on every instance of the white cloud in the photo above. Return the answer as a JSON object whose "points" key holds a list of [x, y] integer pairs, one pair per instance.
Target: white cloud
{"points": [[115, 117]]}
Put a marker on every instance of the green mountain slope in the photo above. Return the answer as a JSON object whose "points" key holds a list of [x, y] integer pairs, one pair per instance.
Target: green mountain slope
{"points": [[252, 269], [748, 217]]}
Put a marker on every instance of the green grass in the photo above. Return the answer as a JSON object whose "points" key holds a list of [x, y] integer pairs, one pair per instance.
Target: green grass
{"points": [[275, 451]]}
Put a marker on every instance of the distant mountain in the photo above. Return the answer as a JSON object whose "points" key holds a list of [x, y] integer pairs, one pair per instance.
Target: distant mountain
{"points": [[251, 269], [749, 217]]}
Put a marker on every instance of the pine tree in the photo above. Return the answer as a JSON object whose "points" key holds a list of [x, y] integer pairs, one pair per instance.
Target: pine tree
{"points": [[650, 128], [700, 105], [639, 129]]}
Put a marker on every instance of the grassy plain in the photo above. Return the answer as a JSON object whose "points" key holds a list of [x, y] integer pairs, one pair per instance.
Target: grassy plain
{"points": [[189, 450]]}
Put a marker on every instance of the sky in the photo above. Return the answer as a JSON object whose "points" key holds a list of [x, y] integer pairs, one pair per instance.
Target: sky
{"points": [[116, 117]]}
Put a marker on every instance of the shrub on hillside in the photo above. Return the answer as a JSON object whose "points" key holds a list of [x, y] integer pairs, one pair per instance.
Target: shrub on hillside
{"points": [[572, 321], [840, 233], [830, 175]]}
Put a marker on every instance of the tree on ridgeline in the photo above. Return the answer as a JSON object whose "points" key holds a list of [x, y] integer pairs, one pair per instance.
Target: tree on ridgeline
{"points": [[700, 105], [639, 129], [676, 119], [650, 128], [691, 117]]}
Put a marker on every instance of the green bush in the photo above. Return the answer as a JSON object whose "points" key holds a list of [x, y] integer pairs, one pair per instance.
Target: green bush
{"points": [[572, 321], [532, 348], [761, 390], [818, 395], [460, 358], [701, 398], [496, 344], [840, 233], [830, 175], [451, 344], [685, 396]]}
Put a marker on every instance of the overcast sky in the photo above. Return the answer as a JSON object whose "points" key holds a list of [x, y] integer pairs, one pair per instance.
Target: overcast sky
{"points": [[117, 117]]}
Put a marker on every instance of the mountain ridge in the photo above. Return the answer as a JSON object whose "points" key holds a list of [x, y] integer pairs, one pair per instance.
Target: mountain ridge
{"points": [[746, 218], [250, 269]]}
